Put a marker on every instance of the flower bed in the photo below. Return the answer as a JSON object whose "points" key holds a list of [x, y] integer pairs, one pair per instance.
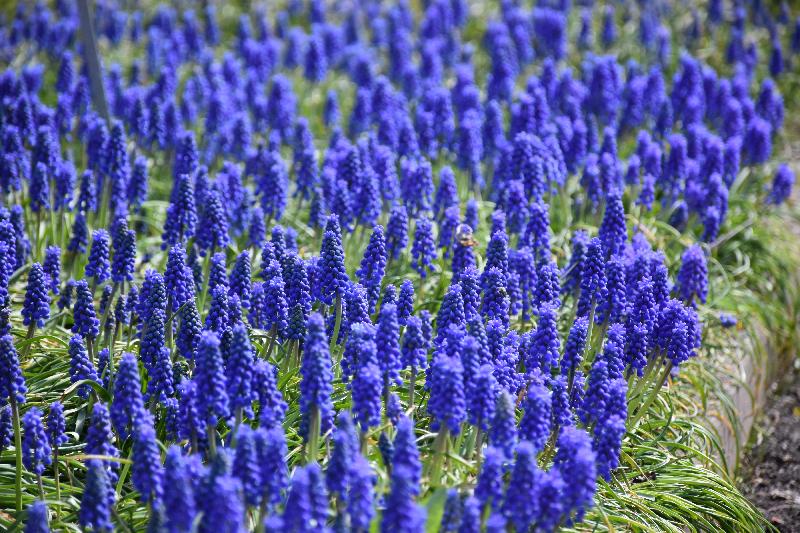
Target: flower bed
{"points": [[457, 268]]}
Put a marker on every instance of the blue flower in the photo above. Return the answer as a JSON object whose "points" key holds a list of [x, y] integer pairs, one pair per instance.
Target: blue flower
{"points": [[36, 451], [333, 274], [316, 383], [147, 473], [37, 519], [307, 502], [521, 507], [178, 278], [366, 394], [36, 307], [423, 249], [345, 450], [534, 427], [402, 514], [12, 381], [414, 347], [209, 375], [373, 266], [95, 511], [128, 405], [56, 426], [80, 366], [179, 499], [503, 430], [576, 343]]}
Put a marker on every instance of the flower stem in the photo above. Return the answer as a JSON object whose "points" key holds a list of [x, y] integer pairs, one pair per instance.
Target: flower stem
{"points": [[644, 408], [18, 449], [313, 434], [337, 323], [439, 450]]}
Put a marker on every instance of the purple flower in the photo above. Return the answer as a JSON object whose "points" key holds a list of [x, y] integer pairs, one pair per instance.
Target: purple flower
{"points": [[52, 267], [781, 185], [210, 379], [36, 307], [35, 446], [95, 511], [179, 499], [366, 394], [503, 430], [521, 506], [534, 427], [147, 473], [593, 278], [607, 444], [692, 279], [80, 366], [373, 266], [447, 403], [316, 383], [423, 250]]}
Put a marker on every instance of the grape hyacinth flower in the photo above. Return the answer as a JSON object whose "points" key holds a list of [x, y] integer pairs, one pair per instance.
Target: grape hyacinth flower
{"points": [[315, 385], [98, 267], [147, 473], [423, 250], [95, 511], [36, 307], [12, 381], [373, 266], [781, 185], [36, 452], [80, 366], [128, 404], [692, 279], [37, 518]]}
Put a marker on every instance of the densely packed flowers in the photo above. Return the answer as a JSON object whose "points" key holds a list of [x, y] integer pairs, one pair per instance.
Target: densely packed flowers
{"points": [[273, 321]]}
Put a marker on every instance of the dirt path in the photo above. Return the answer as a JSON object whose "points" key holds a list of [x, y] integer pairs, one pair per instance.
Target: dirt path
{"points": [[772, 469]]}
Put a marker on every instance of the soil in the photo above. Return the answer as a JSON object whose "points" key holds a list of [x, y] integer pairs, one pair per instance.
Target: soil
{"points": [[772, 468]]}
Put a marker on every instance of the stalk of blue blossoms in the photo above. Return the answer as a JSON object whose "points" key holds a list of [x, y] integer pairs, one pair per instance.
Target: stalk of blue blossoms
{"points": [[692, 279], [333, 276], [402, 514], [128, 404], [13, 390], [373, 266], [95, 511], [85, 321], [239, 370], [37, 519], [36, 452], [576, 461], [147, 472], [447, 406], [36, 307], [56, 435], [213, 401], [315, 386]]}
